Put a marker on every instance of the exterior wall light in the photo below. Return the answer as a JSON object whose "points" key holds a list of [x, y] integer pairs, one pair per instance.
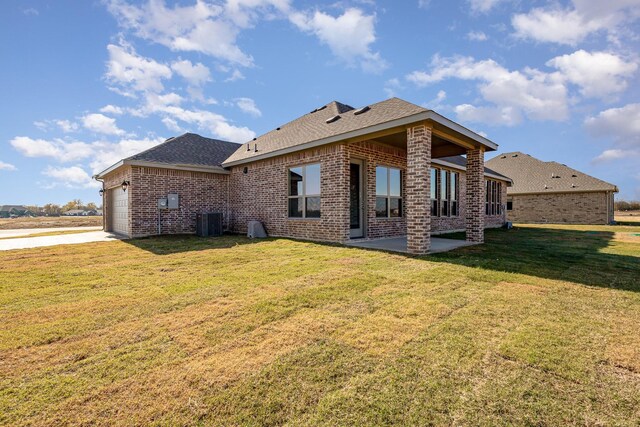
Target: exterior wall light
{"points": [[125, 185], [101, 192]]}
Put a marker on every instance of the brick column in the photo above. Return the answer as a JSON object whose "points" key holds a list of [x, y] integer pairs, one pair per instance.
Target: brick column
{"points": [[475, 195], [417, 192]]}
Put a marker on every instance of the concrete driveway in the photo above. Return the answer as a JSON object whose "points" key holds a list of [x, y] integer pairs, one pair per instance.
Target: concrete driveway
{"points": [[97, 235]]}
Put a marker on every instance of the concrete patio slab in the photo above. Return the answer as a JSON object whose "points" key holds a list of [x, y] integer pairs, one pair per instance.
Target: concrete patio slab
{"points": [[63, 239], [16, 232], [399, 244]]}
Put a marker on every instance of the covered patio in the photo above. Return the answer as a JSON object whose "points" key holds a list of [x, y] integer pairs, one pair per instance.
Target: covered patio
{"points": [[399, 244]]}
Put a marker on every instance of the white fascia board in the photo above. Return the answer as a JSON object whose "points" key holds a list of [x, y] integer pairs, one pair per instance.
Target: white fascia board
{"points": [[142, 163], [462, 168], [426, 115]]}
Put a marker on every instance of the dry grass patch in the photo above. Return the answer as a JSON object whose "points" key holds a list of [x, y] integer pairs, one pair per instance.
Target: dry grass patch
{"points": [[538, 326], [50, 222]]}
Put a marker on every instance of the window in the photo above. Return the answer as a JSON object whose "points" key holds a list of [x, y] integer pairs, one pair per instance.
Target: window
{"points": [[444, 192], [493, 203], [304, 191], [388, 192], [509, 204], [434, 192], [453, 194]]}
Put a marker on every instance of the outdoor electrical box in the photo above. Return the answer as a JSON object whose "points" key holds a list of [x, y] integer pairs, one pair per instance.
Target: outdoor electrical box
{"points": [[162, 203], [174, 201]]}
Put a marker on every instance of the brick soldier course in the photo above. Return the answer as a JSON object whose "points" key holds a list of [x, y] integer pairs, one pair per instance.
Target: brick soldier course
{"points": [[251, 181]]}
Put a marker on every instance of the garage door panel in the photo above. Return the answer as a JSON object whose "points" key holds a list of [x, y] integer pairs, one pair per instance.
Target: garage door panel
{"points": [[120, 211]]}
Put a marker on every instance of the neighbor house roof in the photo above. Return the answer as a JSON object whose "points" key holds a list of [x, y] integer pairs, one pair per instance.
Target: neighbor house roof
{"points": [[460, 162], [335, 122], [9, 208], [532, 176], [189, 151]]}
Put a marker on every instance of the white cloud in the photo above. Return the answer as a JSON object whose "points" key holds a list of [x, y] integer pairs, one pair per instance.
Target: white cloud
{"points": [[133, 72], [194, 74], [208, 121], [112, 109], [100, 123], [248, 106], [436, 103], [171, 124], [202, 27], [514, 94], [572, 25], [599, 74], [424, 4], [614, 154], [392, 86], [349, 36], [58, 149], [622, 124], [235, 76], [67, 126], [477, 36], [106, 153], [483, 6], [622, 127], [71, 177], [31, 11], [7, 166]]}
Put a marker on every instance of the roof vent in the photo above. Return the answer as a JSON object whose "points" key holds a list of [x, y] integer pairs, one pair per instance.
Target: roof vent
{"points": [[332, 119], [255, 139], [256, 149], [311, 112], [574, 176], [361, 110], [248, 147], [573, 186], [321, 108], [503, 157], [277, 128], [545, 186], [514, 155], [169, 139]]}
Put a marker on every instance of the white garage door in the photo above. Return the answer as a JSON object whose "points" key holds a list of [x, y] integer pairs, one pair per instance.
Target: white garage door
{"points": [[120, 211]]}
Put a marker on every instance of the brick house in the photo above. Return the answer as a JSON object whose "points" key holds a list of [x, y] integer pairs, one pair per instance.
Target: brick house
{"points": [[551, 192], [337, 173]]}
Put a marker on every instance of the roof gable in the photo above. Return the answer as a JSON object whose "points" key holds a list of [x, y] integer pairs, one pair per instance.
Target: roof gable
{"points": [[327, 121], [531, 175]]}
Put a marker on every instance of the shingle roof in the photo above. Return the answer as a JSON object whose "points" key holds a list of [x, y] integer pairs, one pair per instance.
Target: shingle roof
{"points": [[313, 126], [462, 162], [531, 175], [188, 149], [8, 208]]}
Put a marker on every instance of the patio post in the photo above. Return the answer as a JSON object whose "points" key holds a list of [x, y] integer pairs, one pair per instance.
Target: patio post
{"points": [[475, 195], [417, 192]]}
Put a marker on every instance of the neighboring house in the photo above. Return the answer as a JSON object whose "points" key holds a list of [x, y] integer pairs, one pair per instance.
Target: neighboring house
{"points": [[12, 211], [551, 192], [334, 174], [75, 212]]}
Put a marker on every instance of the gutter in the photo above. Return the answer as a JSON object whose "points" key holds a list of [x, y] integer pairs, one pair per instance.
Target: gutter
{"points": [[176, 166], [423, 116]]}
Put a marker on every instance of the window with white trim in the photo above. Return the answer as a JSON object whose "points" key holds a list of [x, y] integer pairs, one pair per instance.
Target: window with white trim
{"points": [[388, 192], [493, 198], [304, 191]]}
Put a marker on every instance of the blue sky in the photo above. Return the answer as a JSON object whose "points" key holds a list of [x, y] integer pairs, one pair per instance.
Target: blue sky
{"points": [[86, 83]]}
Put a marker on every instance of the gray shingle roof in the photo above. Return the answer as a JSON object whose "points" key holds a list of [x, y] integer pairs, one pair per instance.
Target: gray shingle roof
{"points": [[313, 126], [462, 162], [188, 149], [531, 175]]}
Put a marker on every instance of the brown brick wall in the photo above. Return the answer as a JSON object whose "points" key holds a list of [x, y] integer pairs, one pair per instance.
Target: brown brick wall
{"points": [[199, 192], [262, 194], [562, 208]]}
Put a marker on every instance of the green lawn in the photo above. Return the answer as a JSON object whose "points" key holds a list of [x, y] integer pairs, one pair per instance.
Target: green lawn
{"points": [[539, 326]]}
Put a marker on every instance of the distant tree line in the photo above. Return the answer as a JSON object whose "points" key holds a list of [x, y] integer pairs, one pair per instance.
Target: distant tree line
{"points": [[623, 205], [52, 209]]}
